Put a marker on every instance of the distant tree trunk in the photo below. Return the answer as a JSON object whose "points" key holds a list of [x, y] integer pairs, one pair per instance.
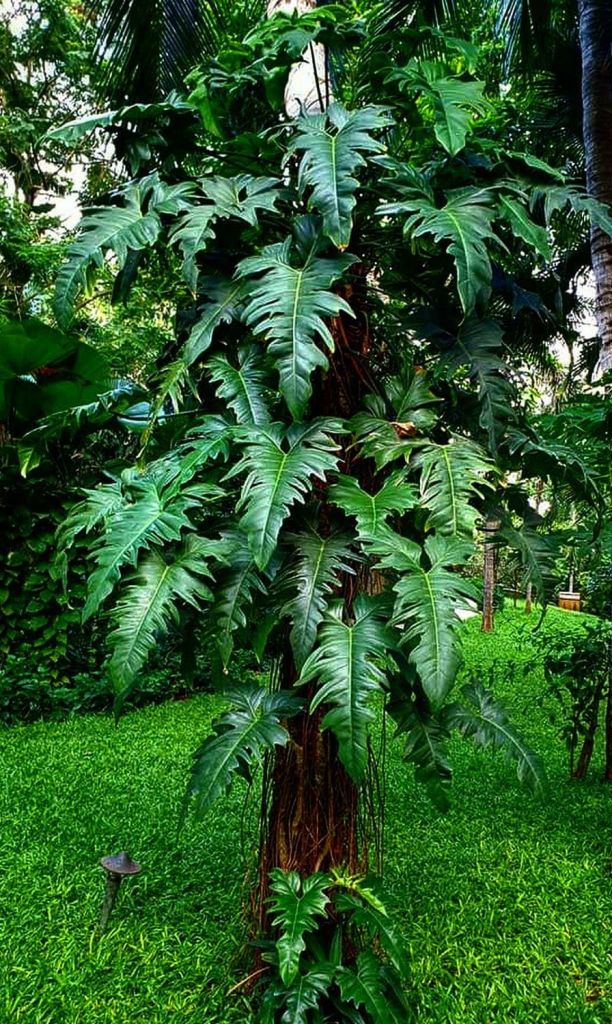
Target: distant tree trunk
{"points": [[595, 26], [582, 765], [488, 596], [608, 765], [528, 599]]}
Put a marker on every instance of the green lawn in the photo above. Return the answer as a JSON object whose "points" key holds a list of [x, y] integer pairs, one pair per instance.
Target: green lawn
{"points": [[505, 903]]}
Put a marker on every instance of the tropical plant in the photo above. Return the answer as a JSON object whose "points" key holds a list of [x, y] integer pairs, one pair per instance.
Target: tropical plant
{"points": [[326, 490]]}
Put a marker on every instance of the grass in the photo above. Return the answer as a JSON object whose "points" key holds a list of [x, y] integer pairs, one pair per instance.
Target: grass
{"points": [[504, 903]]}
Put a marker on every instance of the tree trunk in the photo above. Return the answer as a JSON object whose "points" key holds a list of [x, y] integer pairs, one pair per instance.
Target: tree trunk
{"points": [[586, 753], [488, 597], [529, 599], [607, 776], [595, 26]]}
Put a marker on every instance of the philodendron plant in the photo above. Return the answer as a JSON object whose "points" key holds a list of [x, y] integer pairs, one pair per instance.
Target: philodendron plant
{"points": [[324, 484]]}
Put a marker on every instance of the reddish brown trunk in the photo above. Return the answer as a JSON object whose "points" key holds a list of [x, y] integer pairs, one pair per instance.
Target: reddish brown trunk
{"points": [[607, 777], [311, 805], [595, 23]]}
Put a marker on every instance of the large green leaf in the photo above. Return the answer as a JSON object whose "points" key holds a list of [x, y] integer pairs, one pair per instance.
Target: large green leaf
{"points": [[464, 223], [288, 305], [428, 599], [241, 735], [149, 515], [332, 145], [453, 101], [151, 603], [517, 215], [486, 722], [281, 465], [297, 905], [242, 386], [313, 575], [241, 197], [372, 510], [451, 477], [344, 663]]}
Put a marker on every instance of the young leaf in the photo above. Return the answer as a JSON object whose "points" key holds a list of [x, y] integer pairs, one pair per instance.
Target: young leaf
{"points": [[343, 662], [253, 725], [242, 387], [281, 465], [288, 305], [332, 145], [485, 721], [373, 510], [296, 904]]}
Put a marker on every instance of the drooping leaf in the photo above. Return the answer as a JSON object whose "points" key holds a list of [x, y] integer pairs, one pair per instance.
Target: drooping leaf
{"points": [[241, 735], [234, 589], [119, 229], [425, 747], [288, 305], [242, 386], [281, 464], [298, 905], [477, 348], [524, 227], [151, 603], [428, 599], [344, 662], [486, 722], [333, 144], [225, 303], [313, 575]]}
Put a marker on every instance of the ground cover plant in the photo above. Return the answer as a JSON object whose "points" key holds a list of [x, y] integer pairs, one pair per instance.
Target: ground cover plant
{"points": [[498, 923]]}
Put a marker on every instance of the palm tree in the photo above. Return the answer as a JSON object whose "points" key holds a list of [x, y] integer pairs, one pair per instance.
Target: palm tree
{"points": [[531, 30]]}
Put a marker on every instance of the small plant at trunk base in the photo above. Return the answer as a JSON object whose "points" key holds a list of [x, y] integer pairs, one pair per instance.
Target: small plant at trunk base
{"points": [[336, 449], [322, 958]]}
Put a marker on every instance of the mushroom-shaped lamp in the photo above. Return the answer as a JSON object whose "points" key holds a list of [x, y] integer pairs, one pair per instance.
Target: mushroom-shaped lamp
{"points": [[117, 868]]}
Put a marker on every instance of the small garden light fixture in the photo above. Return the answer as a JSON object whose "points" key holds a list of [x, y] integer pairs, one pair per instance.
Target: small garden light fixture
{"points": [[116, 868]]}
